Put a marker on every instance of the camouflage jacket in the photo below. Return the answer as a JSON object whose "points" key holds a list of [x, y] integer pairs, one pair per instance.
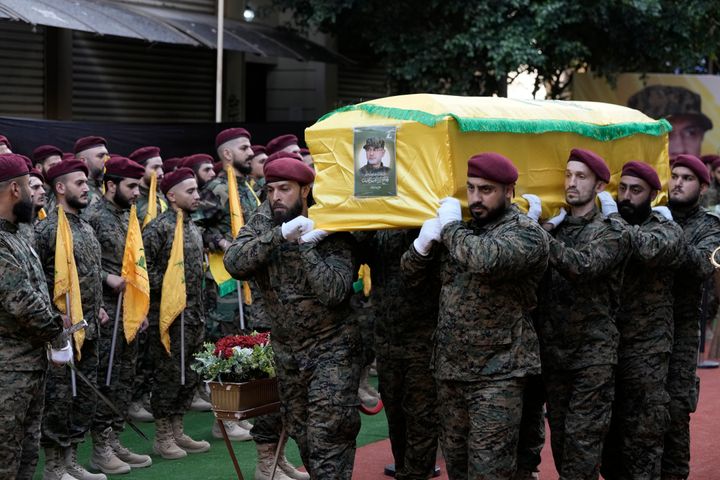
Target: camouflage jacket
{"points": [[489, 276], [306, 288], [94, 195], [27, 319], [645, 317], [214, 213], [711, 197], [580, 293], [141, 205], [157, 241], [701, 236], [87, 252], [405, 316], [50, 200]]}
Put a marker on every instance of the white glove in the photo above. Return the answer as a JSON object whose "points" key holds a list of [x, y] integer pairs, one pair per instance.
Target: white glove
{"points": [[313, 237], [296, 228], [534, 206], [449, 211], [607, 203], [429, 233], [63, 355], [558, 219], [664, 211]]}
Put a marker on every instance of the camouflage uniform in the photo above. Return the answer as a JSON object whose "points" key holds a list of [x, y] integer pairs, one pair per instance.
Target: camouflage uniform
{"points": [[701, 234], [405, 319], [634, 444], [141, 205], [578, 337], [169, 398], [66, 419], [95, 194], [485, 344], [26, 231], [27, 322], [110, 224], [316, 344]]}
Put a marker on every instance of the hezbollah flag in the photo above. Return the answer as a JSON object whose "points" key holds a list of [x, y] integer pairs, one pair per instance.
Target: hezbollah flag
{"points": [[137, 285], [152, 200], [173, 299], [66, 278]]}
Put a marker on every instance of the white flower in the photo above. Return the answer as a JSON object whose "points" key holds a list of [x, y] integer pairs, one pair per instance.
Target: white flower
{"points": [[243, 352]]}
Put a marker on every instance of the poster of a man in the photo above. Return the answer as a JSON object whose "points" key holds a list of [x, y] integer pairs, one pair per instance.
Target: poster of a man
{"points": [[375, 161]]}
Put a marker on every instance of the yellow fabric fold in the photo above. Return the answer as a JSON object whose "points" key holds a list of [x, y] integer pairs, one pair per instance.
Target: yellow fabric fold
{"points": [[173, 299], [66, 278], [136, 299]]}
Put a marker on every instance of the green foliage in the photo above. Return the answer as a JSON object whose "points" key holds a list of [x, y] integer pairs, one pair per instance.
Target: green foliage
{"points": [[470, 47], [245, 364]]}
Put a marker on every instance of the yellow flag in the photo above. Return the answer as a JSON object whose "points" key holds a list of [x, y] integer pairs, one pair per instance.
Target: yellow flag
{"points": [[173, 299], [41, 214], [136, 299], [152, 200], [237, 221], [364, 275], [66, 277]]}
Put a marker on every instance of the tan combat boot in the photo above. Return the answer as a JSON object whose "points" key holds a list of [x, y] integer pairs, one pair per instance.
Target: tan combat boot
{"points": [[103, 458], [265, 459], [137, 412], [184, 441], [135, 460], [75, 469], [368, 395], [165, 444], [287, 468], [234, 431], [55, 465]]}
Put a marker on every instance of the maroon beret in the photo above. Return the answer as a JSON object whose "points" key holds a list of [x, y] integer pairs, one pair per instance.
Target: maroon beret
{"points": [[282, 168], [642, 171], [86, 143], [278, 143], [218, 167], [143, 154], [44, 151], [196, 160], [173, 178], [3, 139], [65, 167], [27, 161], [304, 151], [170, 164], [492, 166], [68, 156], [12, 165], [293, 155], [34, 172], [230, 134], [716, 163], [709, 159], [124, 167], [593, 161], [695, 164], [258, 150]]}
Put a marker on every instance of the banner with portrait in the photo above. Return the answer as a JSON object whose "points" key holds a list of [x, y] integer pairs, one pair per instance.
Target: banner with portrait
{"points": [[374, 149]]}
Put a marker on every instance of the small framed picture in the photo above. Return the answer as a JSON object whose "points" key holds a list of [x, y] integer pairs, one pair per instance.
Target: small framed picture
{"points": [[375, 167]]}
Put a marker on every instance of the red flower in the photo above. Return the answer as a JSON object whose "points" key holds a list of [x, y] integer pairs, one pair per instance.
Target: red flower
{"points": [[224, 346]]}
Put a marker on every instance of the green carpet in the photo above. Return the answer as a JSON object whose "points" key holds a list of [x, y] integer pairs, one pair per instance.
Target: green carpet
{"points": [[215, 464]]}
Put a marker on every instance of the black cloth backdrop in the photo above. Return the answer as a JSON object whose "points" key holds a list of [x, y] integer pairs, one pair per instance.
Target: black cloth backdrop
{"points": [[174, 139]]}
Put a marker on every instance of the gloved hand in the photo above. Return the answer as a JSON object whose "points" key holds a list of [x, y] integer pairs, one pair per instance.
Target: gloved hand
{"points": [[296, 228], [313, 237], [664, 211], [607, 203], [558, 219], [449, 211], [62, 355], [429, 233], [534, 206]]}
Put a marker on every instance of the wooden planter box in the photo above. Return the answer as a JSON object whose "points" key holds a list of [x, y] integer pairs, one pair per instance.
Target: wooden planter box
{"points": [[233, 397]]}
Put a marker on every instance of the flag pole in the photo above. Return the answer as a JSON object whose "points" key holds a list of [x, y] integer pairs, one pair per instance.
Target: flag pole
{"points": [[73, 382], [182, 347], [108, 376], [240, 305]]}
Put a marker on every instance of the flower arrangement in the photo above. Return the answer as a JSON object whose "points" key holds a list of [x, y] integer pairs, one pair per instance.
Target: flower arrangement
{"points": [[236, 358]]}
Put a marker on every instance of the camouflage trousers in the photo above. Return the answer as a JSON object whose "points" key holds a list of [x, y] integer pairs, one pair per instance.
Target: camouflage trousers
{"points": [[579, 404], [122, 377], [66, 420], [532, 425], [633, 447], [319, 409], [21, 403], [480, 424], [142, 384], [408, 392], [683, 385], [267, 428], [169, 397]]}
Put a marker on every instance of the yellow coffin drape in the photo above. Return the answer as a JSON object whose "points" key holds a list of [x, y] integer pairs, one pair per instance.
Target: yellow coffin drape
{"points": [[152, 200], [136, 299], [436, 134], [173, 296]]}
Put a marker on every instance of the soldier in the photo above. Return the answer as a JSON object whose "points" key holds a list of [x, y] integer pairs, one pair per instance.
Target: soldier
{"points": [[169, 399], [170, 164], [27, 322], [576, 318], [37, 189], [45, 157], [149, 157], [306, 281], [5, 146], [93, 151], [109, 220], [67, 419], [257, 177], [701, 234], [633, 447], [374, 152], [485, 345], [287, 143]]}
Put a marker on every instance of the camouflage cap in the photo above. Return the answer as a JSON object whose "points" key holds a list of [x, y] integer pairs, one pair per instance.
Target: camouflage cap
{"points": [[664, 101], [374, 142]]}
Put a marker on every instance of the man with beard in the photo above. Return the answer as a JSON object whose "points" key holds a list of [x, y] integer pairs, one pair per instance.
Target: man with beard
{"points": [[44, 158], [257, 176], [633, 447], [67, 419], [169, 399], [579, 298], [36, 182], [305, 277], [149, 157], [93, 151], [109, 219], [485, 345], [701, 234], [27, 322]]}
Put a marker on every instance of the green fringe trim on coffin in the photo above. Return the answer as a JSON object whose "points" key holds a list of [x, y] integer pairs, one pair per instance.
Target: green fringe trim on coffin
{"points": [[603, 133]]}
